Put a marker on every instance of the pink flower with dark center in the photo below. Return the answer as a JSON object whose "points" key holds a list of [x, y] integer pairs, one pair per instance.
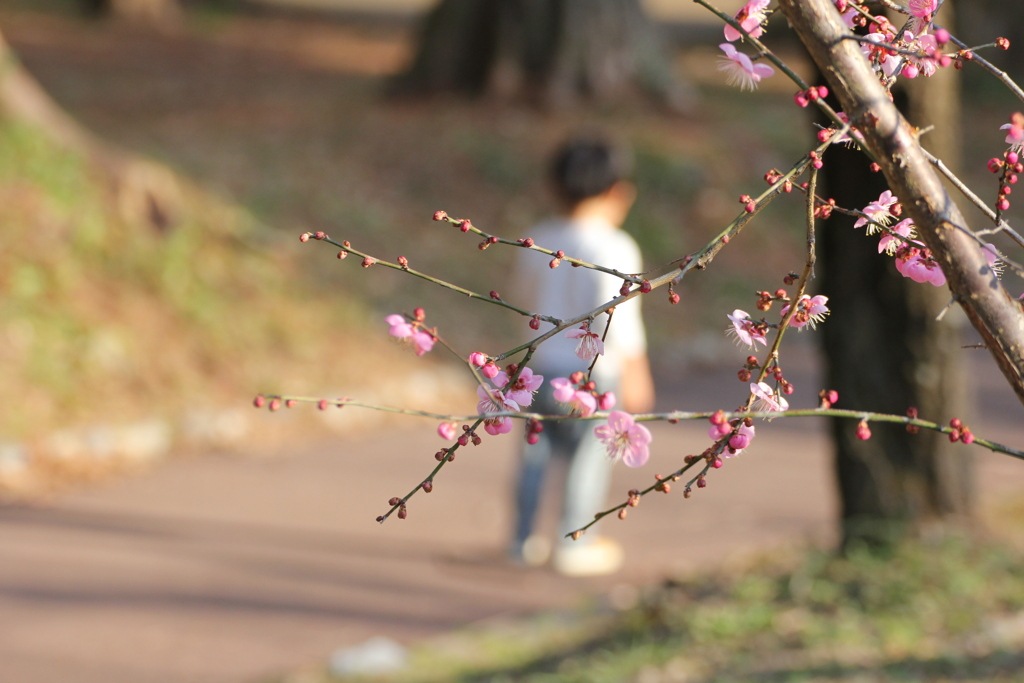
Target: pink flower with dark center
{"points": [[522, 391], [767, 400], [492, 401], [921, 267], [739, 70], [750, 17], [923, 8], [625, 439], [447, 430], [745, 330], [590, 345], [810, 311], [890, 243], [878, 211]]}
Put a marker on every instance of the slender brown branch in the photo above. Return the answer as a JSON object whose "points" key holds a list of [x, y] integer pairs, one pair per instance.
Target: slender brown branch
{"points": [[990, 67]]}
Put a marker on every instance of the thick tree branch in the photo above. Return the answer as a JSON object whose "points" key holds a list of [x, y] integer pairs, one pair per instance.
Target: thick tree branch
{"points": [[893, 142]]}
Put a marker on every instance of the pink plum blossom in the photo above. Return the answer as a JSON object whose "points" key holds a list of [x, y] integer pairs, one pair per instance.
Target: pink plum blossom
{"points": [[1015, 134], [851, 136], [919, 266], [422, 342], [814, 307], [992, 256], [915, 65], [922, 8], [625, 439], [478, 359], [766, 399], [402, 329], [583, 403], [740, 440], [493, 401], [750, 17], [848, 16], [737, 442], [745, 330], [447, 430], [878, 211], [564, 389], [580, 402], [890, 243], [522, 391], [739, 70], [590, 345], [489, 370]]}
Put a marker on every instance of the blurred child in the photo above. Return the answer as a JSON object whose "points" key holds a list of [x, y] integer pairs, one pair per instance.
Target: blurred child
{"points": [[589, 179]]}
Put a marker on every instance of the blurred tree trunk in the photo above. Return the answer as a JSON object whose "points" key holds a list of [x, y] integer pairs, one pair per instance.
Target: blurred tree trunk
{"points": [[553, 51], [150, 11], [886, 351]]}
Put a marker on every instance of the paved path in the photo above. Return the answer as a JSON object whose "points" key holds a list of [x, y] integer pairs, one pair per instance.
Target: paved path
{"points": [[227, 570]]}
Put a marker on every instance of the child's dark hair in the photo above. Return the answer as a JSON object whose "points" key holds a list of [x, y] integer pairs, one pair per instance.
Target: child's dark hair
{"points": [[587, 166]]}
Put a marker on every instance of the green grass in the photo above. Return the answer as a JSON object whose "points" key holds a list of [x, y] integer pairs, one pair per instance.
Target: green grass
{"points": [[926, 611]]}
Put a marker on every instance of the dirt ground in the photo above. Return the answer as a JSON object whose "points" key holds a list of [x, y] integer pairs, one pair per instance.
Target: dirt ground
{"points": [[233, 569]]}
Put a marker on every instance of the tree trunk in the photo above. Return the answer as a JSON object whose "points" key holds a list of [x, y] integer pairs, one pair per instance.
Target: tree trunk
{"points": [[886, 351], [553, 51]]}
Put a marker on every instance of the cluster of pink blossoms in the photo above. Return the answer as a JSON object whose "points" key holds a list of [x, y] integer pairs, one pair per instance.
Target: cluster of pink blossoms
{"points": [[913, 259], [506, 397], [737, 442], [581, 396], [739, 68]]}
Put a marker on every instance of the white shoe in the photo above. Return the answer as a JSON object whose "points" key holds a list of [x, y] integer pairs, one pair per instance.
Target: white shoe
{"points": [[536, 550], [599, 557], [533, 552]]}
